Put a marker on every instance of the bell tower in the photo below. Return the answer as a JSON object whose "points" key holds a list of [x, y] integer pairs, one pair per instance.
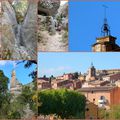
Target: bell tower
{"points": [[15, 86], [13, 79], [91, 73], [106, 42]]}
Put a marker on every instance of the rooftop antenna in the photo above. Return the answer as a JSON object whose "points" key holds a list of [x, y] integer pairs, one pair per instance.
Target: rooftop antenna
{"points": [[105, 30], [105, 10], [91, 64]]}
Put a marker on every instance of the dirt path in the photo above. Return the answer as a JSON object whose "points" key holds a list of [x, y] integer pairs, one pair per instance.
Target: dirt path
{"points": [[52, 43]]}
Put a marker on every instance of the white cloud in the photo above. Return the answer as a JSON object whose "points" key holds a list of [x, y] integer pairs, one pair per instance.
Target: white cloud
{"points": [[5, 62], [14, 64], [54, 70]]}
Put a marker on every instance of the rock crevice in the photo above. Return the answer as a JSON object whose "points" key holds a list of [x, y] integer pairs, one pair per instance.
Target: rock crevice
{"points": [[19, 37]]}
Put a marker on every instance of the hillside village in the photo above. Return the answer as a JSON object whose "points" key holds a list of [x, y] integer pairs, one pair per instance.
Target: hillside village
{"points": [[100, 87]]}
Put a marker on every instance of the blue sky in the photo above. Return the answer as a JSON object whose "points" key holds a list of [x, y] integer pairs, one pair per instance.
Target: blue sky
{"points": [[21, 72], [59, 63], [86, 20]]}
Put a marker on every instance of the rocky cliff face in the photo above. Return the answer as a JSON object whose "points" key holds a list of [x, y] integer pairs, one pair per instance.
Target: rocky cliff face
{"points": [[19, 39], [48, 7], [52, 26], [0, 28]]}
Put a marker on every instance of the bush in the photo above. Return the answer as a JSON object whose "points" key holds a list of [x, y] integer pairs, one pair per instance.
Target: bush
{"points": [[62, 102]]}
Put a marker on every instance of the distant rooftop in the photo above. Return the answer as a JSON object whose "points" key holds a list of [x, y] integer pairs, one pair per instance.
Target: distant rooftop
{"points": [[110, 69], [95, 89]]}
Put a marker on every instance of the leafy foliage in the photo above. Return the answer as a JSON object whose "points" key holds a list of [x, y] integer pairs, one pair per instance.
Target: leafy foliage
{"points": [[14, 106], [6, 54], [18, 103], [115, 112], [3, 86], [4, 96], [20, 9], [28, 97], [62, 102], [3, 82], [15, 110], [75, 75]]}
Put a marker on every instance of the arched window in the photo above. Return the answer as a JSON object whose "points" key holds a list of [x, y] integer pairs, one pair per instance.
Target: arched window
{"points": [[102, 97]]}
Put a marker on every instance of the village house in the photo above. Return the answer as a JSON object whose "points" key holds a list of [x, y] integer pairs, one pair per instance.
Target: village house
{"points": [[91, 79], [112, 77], [62, 84], [69, 84], [104, 97], [43, 83], [117, 83], [96, 83], [43, 78], [109, 71], [65, 77]]}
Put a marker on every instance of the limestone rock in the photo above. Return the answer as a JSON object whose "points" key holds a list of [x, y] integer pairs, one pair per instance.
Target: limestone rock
{"points": [[53, 31], [9, 27], [63, 10], [62, 16], [19, 38], [48, 7], [29, 30]]}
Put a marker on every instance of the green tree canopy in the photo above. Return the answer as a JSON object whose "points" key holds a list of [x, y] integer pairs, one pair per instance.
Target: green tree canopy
{"points": [[76, 75], [18, 105], [115, 112], [28, 96], [62, 102], [4, 96], [3, 83]]}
